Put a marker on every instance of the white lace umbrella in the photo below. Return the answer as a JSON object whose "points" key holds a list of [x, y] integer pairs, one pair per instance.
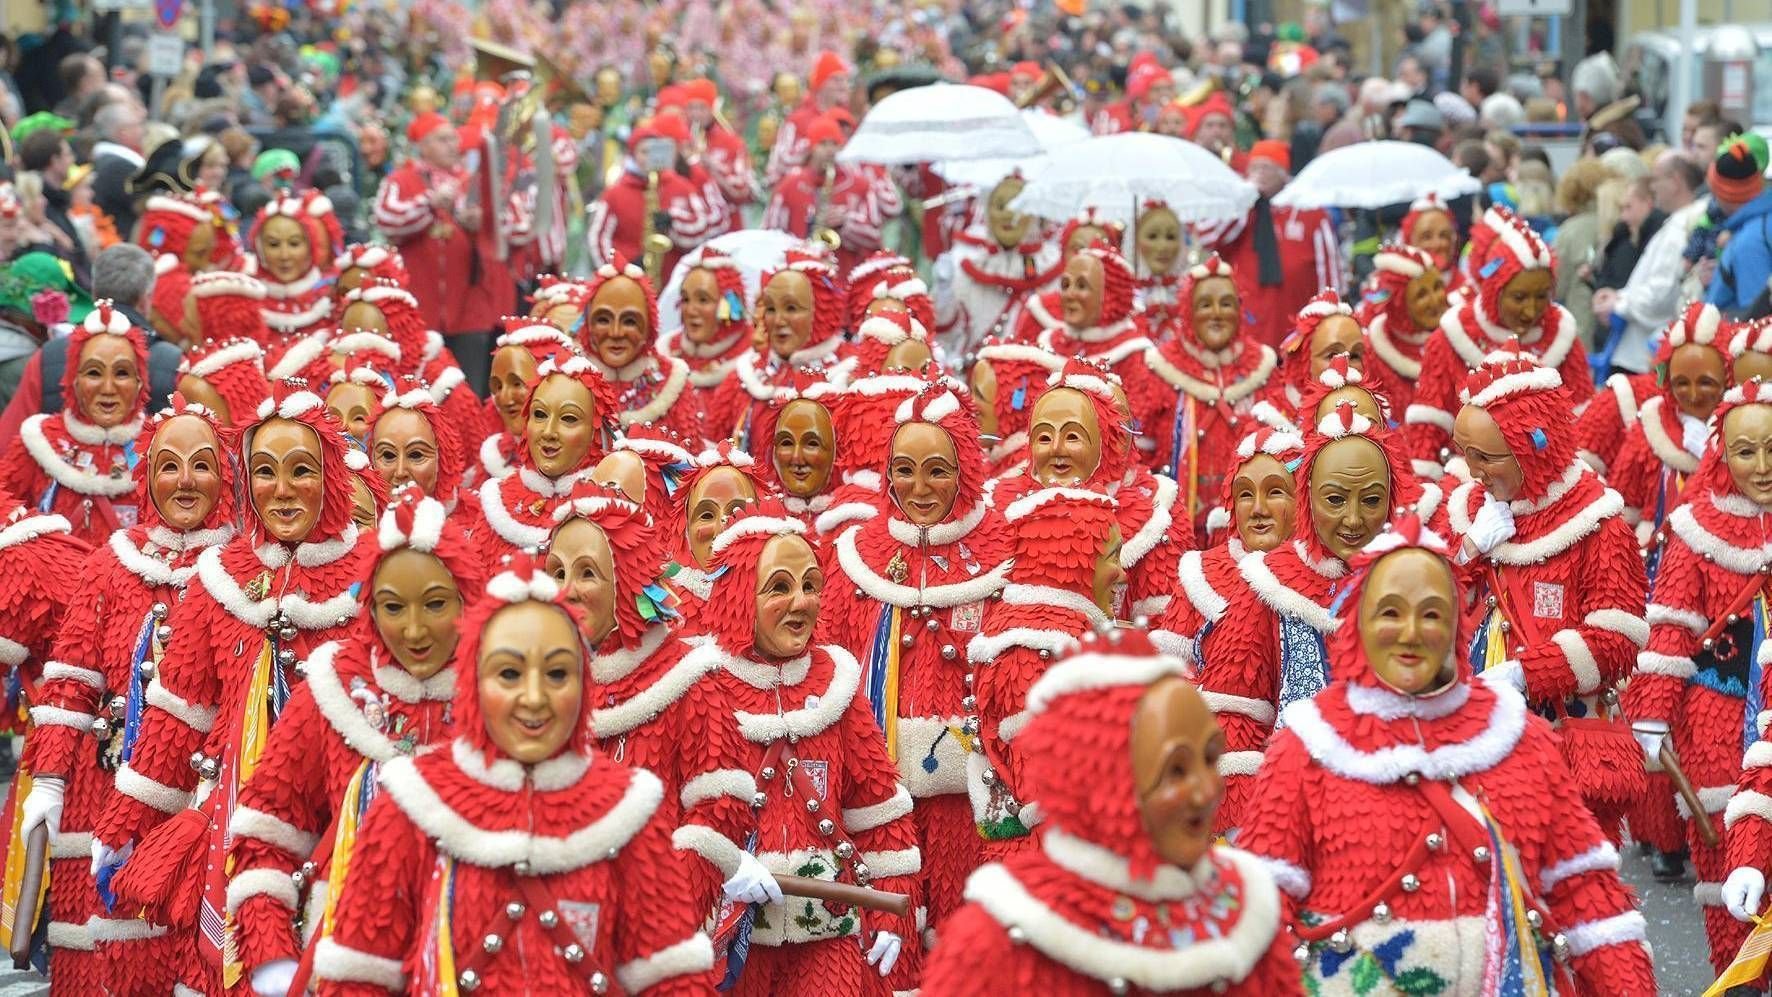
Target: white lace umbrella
{"points": [[755, 250], [1050, 130], [1373, 175], [1118, 173], [939, 122]]}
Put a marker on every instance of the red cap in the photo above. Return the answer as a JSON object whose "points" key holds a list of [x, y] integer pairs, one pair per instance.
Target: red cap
{"points": [[1274, 151], [423, 125], [468, 137], [671, 126], [1218, 103], [1031, 69], [992, 81], [824, 128], [827, 65], [702, 90], [1140, 61], [1140, 81], [671, 96]]}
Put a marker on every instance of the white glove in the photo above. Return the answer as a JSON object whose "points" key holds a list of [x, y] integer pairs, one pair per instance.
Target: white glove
{"points": [[1510, 672], [884, 954], [1649, 735], [43, 805], [1492, 526], [752, 883], [105, 857], [274, 977], [1743, 891], [1693, 434]]}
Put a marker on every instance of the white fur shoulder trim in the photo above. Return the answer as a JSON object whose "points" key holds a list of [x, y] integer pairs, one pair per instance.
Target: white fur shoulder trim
{"points": [[74, 479], [764, 728], [892, 593], [1391, 764], [1282, 600], [340, 710]]}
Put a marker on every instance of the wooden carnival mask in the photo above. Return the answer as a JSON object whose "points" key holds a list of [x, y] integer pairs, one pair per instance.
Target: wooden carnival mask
{"points": [[415, 604], [1409, 621], [1110, 578], [700, 308], [1697, 375], [1079, 291], [201, 392], [983, 382], [1434, 235], [1524, 300], [623, 470], [562, 425], [1158, 238], [1752, 364], [199, 248], [582, 562], [805, 448], [285, 480], [513, 374], [789, 583], [1350, 494], [1490, 460], [1217, 312], [1176, 745], [617, 327], [107, 381], [353, 405], [1424, 298], [1264, 502], [364, 316], [531, 680], [364, 511], [924, 473], [1064, 438], [284, 250], [403, 448], [785, 312], [1747, 443], [1365, 403], [1008, 227], [184, 472], [1084, 235], [713, 500], [1337, 336]]}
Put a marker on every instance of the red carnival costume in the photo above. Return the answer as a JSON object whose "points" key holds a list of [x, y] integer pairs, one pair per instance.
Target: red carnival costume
{"points": [[829, 805], [1007, 377], [1286, 393], [991, 283], [233, 371], [104, 658], [1560, 596], [1470, 331], [297, 823], [760, 373], [1436, 842], [498, 452], [863, 192], [652, 389], [423, 352], [692, 578], [780, 450], [905, 597], [170, 221], [1213, 392], [618, 218], [1118, 339], [256, 606], [556, 877], [1095, 909], [296, 307], [69, 465], [1395, 342], [713, 352], [1606, 422]]}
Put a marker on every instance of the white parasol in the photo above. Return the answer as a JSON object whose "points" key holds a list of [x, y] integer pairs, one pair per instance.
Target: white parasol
{"points": [[755, 250], [1118, 173], [1373, 175], [1050, 130], [938, 122]]}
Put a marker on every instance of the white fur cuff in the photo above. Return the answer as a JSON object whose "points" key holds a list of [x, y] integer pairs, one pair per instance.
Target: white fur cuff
{"points": [[273, 883], [1615, 930], [879, 814], [709, 844], [339, 964], [164, 798], [250, 823], [198, 718], [694, 954], [735, 783]]}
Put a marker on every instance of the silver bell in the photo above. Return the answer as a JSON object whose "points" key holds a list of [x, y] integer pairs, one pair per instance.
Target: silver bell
{"points": [[1435, 841], [574, 953], [299, 878], [309, 868], [286, 657], [969, 703], [209, 769], [988, 777], [159, 610], [1341, 942], [492, 944], [599, 983], [101, 727], [970, 726], [1045, 654], [1560, 947], [812, 806], [514, 909], [768, 772], [862, 873], [468, 981], [758, 800], [1116, 986], [1016, 934], [907, 640], [1411, 883], [1413, 778], [845, 849], [118, 706], [1480, 853], [286, 632], [147, 670], [520, 867], [933, 625], [827, 826], [1301, 954], [163, 633], [948, 653], [196, 761], [548, 919], [1535, 919], [1381, 913]]}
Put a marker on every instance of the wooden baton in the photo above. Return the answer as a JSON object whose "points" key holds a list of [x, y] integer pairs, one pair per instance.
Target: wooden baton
{"points": [[843, 893], [1670, 762]]}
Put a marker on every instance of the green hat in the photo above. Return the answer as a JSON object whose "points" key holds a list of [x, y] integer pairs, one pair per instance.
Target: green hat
{"points": [[1756, 147], [39, 121], [275, 161], [39, 271]]}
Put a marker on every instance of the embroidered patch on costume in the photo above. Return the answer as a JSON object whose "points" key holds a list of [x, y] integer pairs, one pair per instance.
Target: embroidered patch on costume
{"points": [[965, 619], [1547, 600], [818, 772], [127, 515], [582, 918]]}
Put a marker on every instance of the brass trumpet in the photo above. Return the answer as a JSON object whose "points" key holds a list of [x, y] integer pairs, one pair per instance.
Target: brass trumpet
{"points": [[1051, 83], [825, 236], [653, 243]]}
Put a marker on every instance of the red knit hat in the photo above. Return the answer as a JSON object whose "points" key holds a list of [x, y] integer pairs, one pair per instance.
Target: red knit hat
{"points": [[824, 128], [230, 305], [406, 324], [423, 125], [1057, 535], [1217, 104], [1077, 745], [827, 65], [864, 275], [1338, 375], [730, 611], [222, 516], [1140, 81], [1327, 303], [1393, 267], [637, 554], [671, 95], [1116, 232], [877, 335], [701, 90], [106, 320], [1755, 335], [1274, 151], [542, 339], [1424, 205], [1515, 249], [1526, 399], [380, 261], [412, 394], [1737, 175], [1700, 324], [235, 368], [168, 219], [314, 211], [293, 400]]}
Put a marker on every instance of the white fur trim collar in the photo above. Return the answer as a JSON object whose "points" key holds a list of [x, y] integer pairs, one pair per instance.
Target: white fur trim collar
{"points": [[1198, 589], [1739, 560], [939, 535], [676, 379], [408, 688], [825, 709], [1092, 335], [562, 771], [1372, 701], [316, 554], [340, 710], [257, 613], [77, 480], [1155, 528], [1199, 390], [1472, 354], [1660, 444], [1103, 867], [300, 355], [457, 836], [1387, 765], [1379, 335], [894, 594], [85, 432], [1229, 959], [617, 665], [1016, 594], [32, 527], [1284, 601], [492, 458], [155, 571], [1575, 526], [646, 705]]}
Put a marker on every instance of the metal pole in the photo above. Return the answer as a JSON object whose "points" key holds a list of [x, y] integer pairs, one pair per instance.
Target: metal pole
{"points": [[1684, 71], [206, 26]]}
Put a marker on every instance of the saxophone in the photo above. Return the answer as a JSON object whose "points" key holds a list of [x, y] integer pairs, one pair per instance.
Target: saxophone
{"points": [[653, 243], [827, 236]]}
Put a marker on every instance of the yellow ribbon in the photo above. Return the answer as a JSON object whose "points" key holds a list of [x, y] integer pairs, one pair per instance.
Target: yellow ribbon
{"points": [[1750, 959]]}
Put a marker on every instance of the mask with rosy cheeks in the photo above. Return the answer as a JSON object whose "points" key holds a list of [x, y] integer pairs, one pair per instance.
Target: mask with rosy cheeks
{"points": [[1217, 312], [1490, 460], [1064, 438], [1159, 240], [1434, 235], [1110, 577], [789, 584], [1084, 236], [404, 449], [415, 603], [1176, 745], [201, 392], [1008, 227], [184, 472], [1424, 298], [283, 468], [1337, 336], [983, 381], [700, 307], [924, 473], [1524, 300], [531, 681], [1350, 494], [1079, 291], [713, 500], [785, 312], [617, 324], [1363, 401], [1752, 364], [1409, 621], [107, 382], [562, 425], [354, 406], [805, 448], [513, 374], [1697, 375], [1747, 448], [284, 250], [199, 248], [583, 564], [1264, 503], [624, 470]]}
